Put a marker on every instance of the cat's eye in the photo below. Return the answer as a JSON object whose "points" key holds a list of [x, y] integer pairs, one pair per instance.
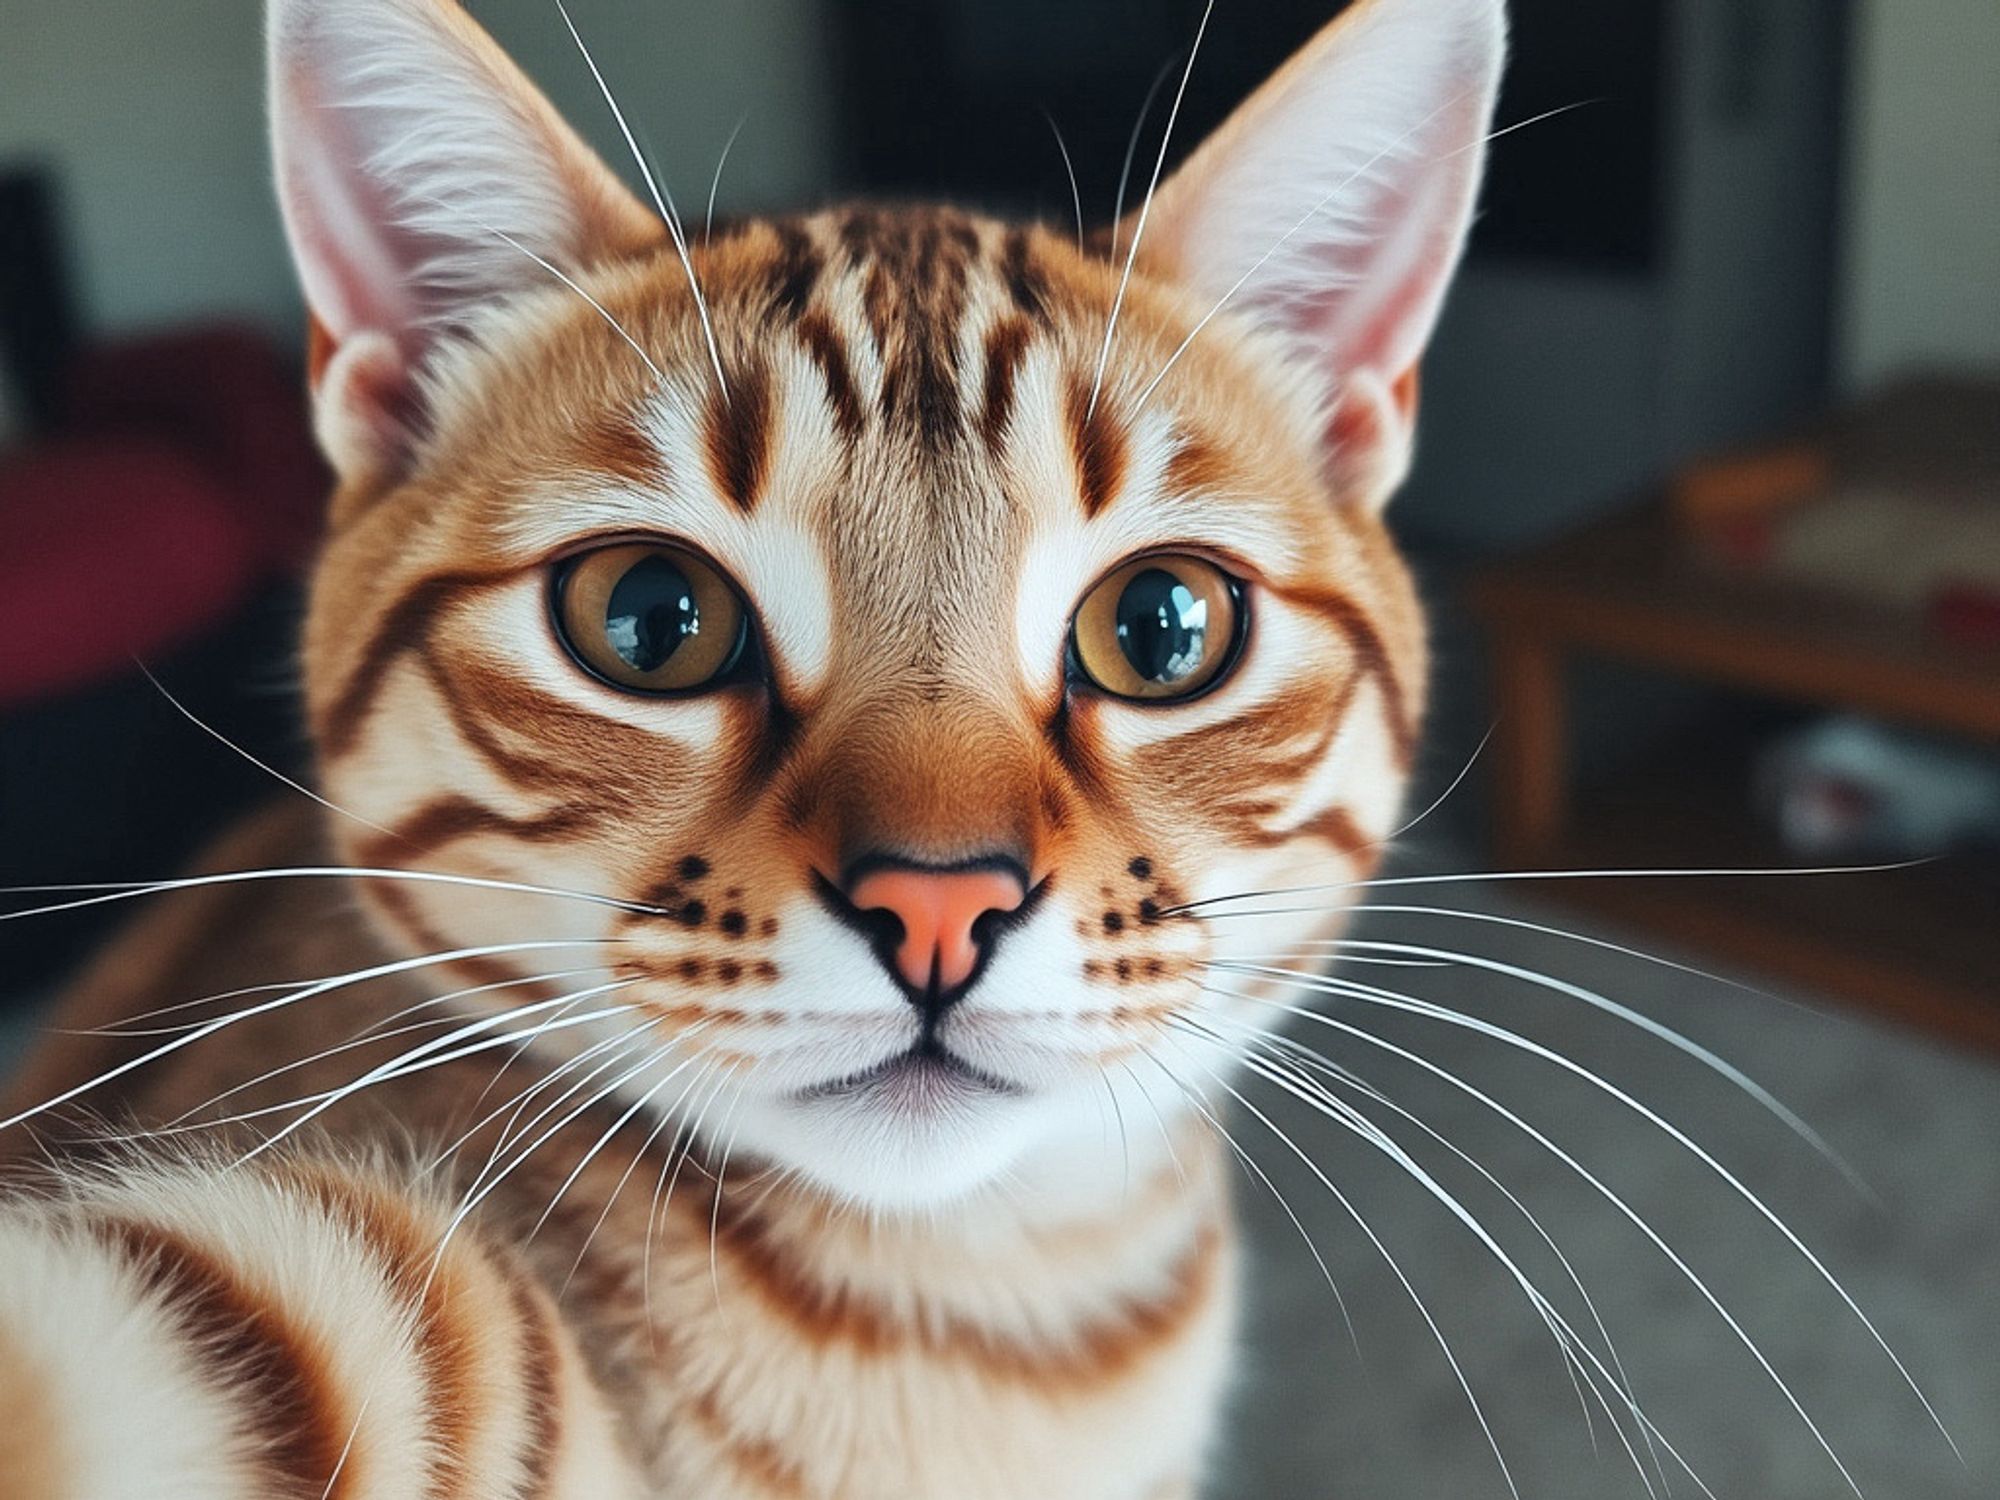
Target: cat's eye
{"points": [[1159, 629], [650, 618]]}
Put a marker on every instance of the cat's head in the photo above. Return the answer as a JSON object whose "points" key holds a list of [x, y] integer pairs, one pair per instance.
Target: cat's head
{"points": [[899, 616]]}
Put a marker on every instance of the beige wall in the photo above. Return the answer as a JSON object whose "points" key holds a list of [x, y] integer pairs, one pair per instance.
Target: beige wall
{"points": [[154, 111], [1923, 246]]}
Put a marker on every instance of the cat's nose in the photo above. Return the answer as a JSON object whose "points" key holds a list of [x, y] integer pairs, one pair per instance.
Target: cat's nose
{"points": [[948, 916]]}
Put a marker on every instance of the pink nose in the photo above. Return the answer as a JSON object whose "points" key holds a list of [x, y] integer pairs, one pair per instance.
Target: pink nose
{"points": [[938, 909]]}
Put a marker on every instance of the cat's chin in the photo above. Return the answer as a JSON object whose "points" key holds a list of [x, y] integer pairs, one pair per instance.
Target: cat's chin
{"points": [[910, 1135]]}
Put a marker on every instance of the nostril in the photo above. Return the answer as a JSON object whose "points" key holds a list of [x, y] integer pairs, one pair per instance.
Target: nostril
{"points": [[946, 916]]}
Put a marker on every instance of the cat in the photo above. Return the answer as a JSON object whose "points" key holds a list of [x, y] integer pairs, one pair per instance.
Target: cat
{"points": [[784, 700]]}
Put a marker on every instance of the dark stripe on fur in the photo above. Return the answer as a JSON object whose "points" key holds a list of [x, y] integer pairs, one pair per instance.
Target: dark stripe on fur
{"points": [[281, 1388], [829, 351], [1006, 348], [738, 434], [1099, 447]]}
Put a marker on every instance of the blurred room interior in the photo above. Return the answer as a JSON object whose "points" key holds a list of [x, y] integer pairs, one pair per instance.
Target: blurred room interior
{"points": [[1707, 506]]}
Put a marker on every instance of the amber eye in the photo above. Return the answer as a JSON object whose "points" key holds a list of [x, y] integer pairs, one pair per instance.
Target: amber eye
{"points": [[650, 618], [1159, 628]]}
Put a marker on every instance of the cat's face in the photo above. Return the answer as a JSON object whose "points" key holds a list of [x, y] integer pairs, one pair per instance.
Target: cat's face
{"points": [[903, 656]]}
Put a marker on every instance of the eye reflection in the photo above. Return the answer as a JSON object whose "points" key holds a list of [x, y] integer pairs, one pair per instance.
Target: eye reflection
{"points": [[651, 611], [650, 618], [1158, 629], [1162, 627]]}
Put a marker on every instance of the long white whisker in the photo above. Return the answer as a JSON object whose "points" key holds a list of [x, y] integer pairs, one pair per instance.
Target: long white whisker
{"points": [[1251, 1165], [1497, 877], [426, 1053], [1159, 82], [322, 987], [1680, 1042], [721, 1179], [375, 1034], [1310, 214], [631, 1111], [1306, 1057], [1445, 795], [1069, 170], [1575, 1349], [127, 890], [1145, 211], [668, 1116], [1347, 1205], [518, 1102], [269, 770], [660, 198], [1166, 1136], [715, 182], [1371, 995], [562, 276]]}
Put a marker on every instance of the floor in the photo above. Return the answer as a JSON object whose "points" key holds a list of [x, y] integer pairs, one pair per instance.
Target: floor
{"points": [[1380, 1415]]}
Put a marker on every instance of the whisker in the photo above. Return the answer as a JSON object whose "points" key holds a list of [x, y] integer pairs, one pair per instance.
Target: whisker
{"points": [[374, 1034], [1124, 1137], [1492, 877], [1069, 170], [1255, 1169], [518, 1102], [715, 1206], [1445, 795], [1369, 994], [678, 1152], [269, 770], [1159, 82], [715, 182], [1320, 207], [1347, 1205], [560, 275], [321, 987], [1575, 1350], [1310, 214], [1679, 1041], [661, 200], [127, 890], [1307, 1058], [667, 1116], [1166, 1136], [305, 1101], [479, 1194], [624, 1119], [1145, 211], [400, 1066]]}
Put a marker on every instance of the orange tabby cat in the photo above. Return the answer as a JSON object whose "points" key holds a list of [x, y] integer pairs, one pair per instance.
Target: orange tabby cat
{"points": [[789, 693]]}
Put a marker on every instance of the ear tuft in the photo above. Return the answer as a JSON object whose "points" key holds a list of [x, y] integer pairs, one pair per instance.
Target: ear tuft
{"points": [[420, 176], [1332, 208]]}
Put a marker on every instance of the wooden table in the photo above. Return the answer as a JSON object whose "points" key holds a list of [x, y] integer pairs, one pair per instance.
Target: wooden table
{"points": [[1921, 944]]}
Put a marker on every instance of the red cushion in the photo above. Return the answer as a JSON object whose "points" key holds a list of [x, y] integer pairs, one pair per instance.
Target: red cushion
{"points": [[109, 549]]}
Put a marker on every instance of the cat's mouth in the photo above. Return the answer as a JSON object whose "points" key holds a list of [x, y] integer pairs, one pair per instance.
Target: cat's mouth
{"points": [[927, 1072]]}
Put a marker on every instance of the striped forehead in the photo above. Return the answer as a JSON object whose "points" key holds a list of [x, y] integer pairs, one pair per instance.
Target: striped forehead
{"points": [[908, 425]]}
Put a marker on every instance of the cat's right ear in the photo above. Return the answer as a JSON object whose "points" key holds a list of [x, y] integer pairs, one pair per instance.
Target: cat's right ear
{"points": [[420, 175]]}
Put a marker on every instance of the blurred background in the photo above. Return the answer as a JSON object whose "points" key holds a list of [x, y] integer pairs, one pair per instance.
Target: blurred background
{"points": [[1708, 510]]}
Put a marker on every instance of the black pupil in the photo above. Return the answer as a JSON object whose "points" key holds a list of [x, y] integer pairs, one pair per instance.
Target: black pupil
{"points": [[1162, 627], [651, 611]]}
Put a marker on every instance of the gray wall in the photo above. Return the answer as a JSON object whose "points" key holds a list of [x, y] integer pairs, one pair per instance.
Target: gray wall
{"points": [[153, 109], [1923, 241]]}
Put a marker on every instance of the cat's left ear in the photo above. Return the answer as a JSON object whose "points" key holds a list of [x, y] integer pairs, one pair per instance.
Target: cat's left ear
{"points": [[1332, 209], [422, 177]]}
